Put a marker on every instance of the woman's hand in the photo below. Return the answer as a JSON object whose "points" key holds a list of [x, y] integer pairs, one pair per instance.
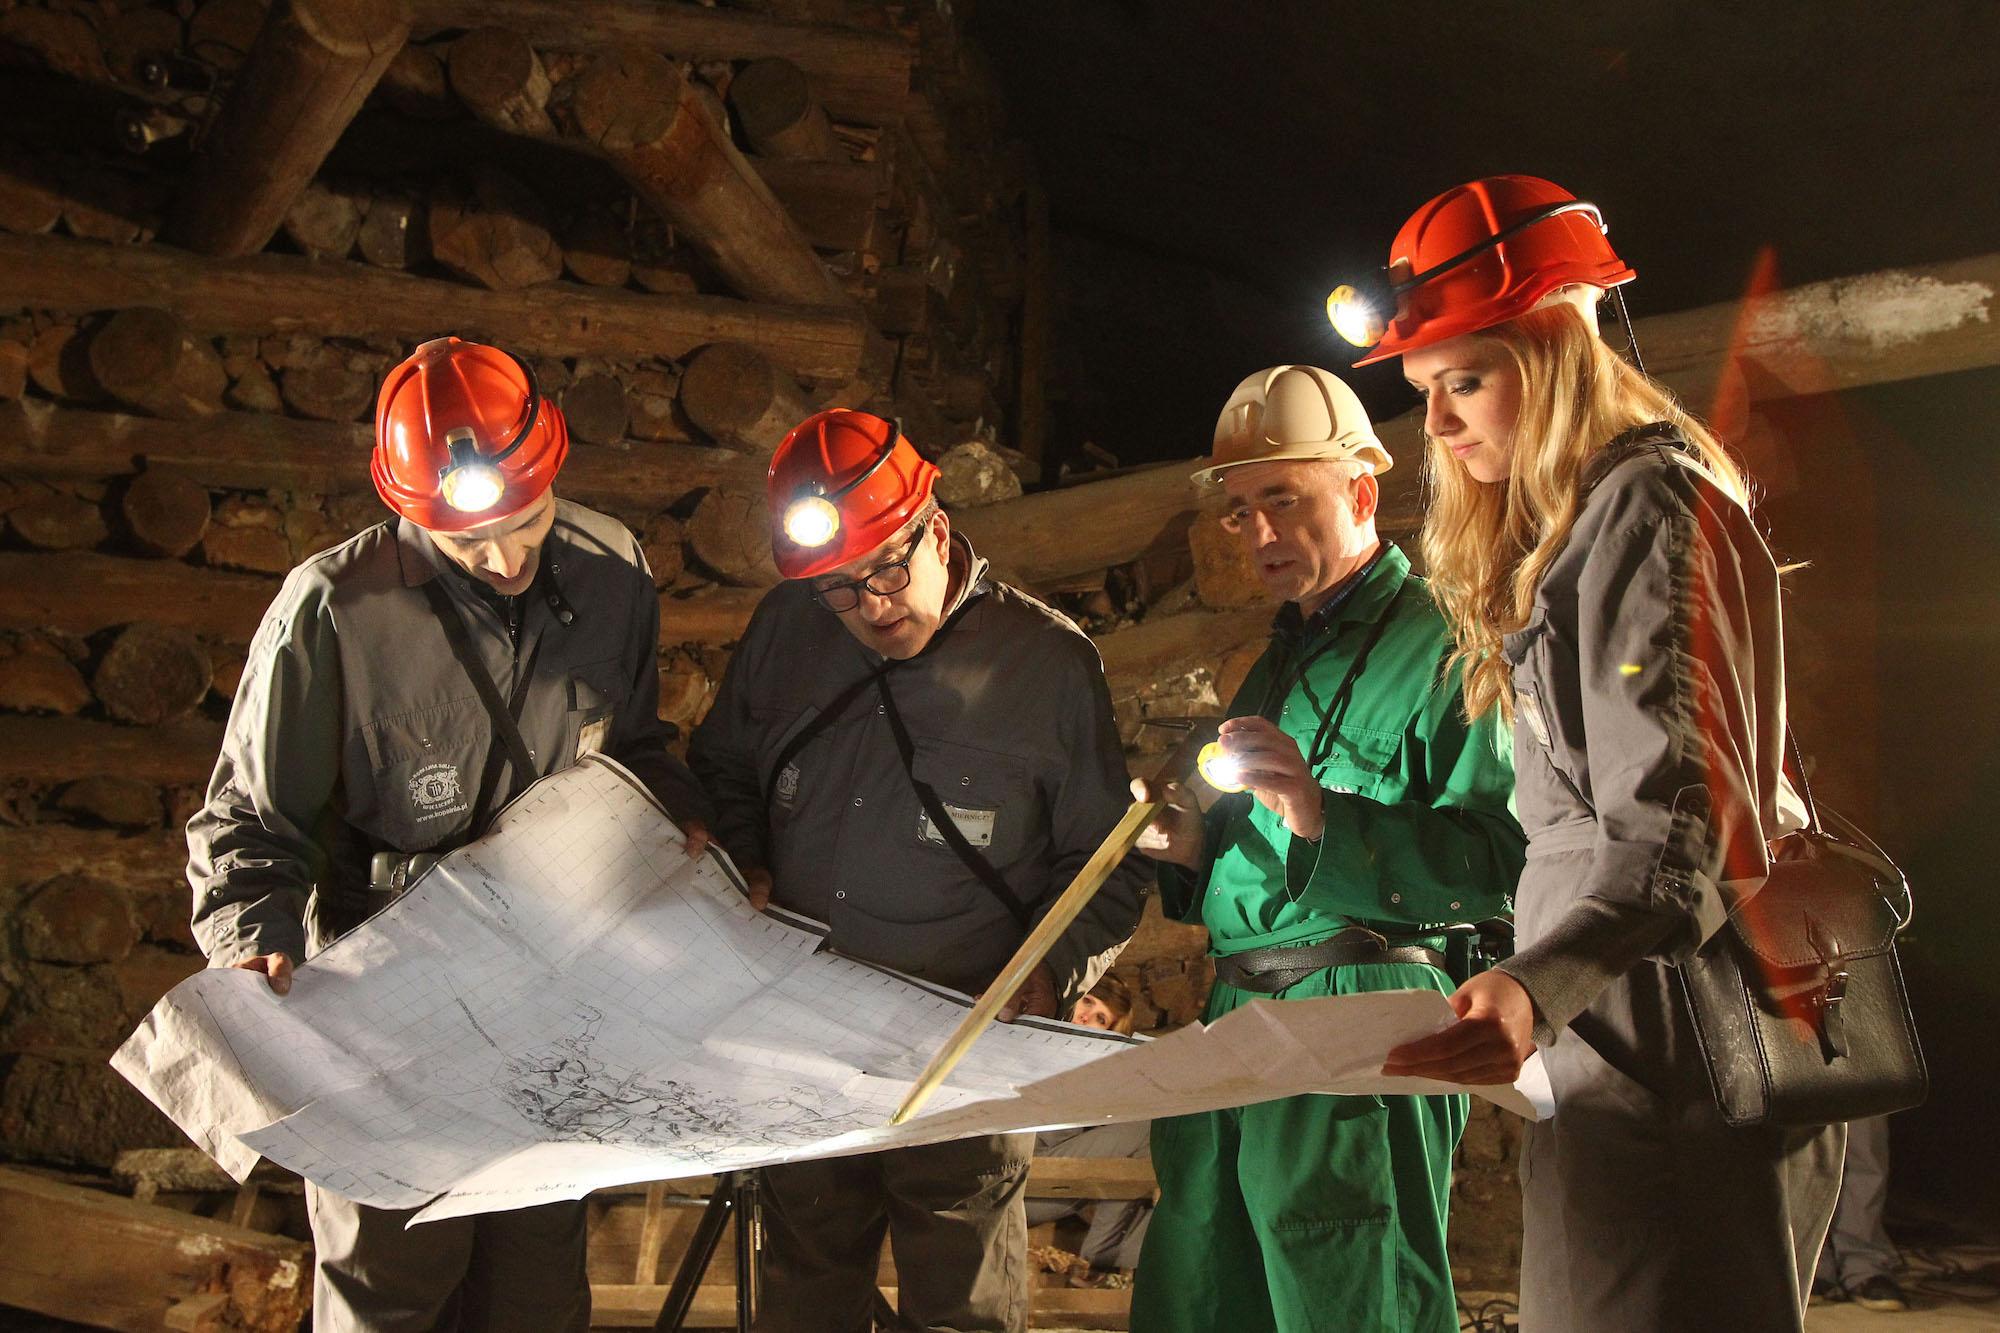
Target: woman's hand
{"points": [[1492, 1039], [1270, 765]]}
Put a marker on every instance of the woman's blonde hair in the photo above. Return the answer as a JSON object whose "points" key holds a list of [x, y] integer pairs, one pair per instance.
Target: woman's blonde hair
{"points": [[1487, 545]]}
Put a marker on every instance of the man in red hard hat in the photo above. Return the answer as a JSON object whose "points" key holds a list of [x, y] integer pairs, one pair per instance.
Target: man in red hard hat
{"points": [[922, 758], [402, 688]]}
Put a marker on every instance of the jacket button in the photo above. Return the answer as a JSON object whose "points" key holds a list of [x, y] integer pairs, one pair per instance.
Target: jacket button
{"points": [[857, 801], [840, 893], [1395, 897], [965, 782], [1454, 907]]}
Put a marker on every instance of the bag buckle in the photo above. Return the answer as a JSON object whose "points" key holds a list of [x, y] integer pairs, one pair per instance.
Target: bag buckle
{"points": [[1826, 1001]]}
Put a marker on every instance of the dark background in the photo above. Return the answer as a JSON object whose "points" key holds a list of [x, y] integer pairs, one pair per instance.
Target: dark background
{"points": [[1214, 169]]}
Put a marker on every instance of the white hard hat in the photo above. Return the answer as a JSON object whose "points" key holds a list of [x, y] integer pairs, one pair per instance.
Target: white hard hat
{"points": [[1293, 414]]}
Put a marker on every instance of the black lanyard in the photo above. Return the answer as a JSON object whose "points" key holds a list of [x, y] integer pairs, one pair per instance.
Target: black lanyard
{"points": [[505, 714], [905, 748]]}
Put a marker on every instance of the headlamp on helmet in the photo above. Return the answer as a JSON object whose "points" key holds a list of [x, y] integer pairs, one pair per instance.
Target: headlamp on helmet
{"points": [[471, 482], [1360, 311], [812, 517]]}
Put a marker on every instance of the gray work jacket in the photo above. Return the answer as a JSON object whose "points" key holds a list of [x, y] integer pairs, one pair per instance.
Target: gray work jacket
{"points": [[1649, 722], [357, 730], [1011, 724]]}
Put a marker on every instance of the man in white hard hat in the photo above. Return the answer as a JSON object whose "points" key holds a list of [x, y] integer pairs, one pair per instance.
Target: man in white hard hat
{"points": [[1373, 818]]}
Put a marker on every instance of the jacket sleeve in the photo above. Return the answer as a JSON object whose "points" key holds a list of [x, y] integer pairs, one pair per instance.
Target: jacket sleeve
{"points": [[723, 755], [252, 855], [1670, 740], [1453, 853], [639, 738], [1091, 795]]}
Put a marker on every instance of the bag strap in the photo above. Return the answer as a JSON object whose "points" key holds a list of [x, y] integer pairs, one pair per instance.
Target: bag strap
{"points": [[1798, 776], [829, 715], [513, 747], [941, 819]]}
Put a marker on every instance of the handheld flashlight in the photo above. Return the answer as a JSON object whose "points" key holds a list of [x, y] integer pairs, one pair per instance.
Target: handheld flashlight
{"points": [[1220, 769], [812, 519]]}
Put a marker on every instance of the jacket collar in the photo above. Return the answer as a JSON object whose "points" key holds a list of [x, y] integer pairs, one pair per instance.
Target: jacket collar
{"points": [[421, 561], [1363, 601]]}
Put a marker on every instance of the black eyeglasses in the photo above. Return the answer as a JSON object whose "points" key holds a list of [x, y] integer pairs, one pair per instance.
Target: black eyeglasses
{"points": [[890, 579]]}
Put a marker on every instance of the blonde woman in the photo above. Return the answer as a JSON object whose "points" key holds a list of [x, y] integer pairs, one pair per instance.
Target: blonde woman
{"points": [[1592, 548]]}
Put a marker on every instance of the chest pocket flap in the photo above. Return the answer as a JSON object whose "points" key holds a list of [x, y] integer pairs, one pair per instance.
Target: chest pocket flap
{"points": [[1359, 758], [986, 793]]}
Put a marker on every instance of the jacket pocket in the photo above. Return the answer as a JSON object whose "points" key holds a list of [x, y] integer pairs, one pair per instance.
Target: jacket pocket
{"points": [[985, 793], [424, 769], [1359, 760], [596, 692]]}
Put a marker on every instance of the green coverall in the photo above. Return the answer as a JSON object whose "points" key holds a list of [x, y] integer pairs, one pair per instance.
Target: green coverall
{"points": [[1317, 1212]]}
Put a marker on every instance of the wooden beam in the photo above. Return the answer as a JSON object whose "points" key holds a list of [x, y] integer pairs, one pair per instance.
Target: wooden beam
{"points": [[238, 450], [666, 135], [862, 77], [1144, 652], [59, 749], [82, 593], [1053, 533], [1872, 329], [98, 1259], [834, 203], [43, 851], [623, 1305], [312, 66], [291, 294]]}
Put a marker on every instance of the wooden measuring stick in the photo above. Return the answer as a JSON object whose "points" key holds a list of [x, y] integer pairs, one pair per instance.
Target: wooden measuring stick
{"points": [[1042, 938]]}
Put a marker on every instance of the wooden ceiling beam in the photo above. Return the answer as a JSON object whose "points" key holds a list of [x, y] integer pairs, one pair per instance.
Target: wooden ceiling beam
{"points": [[241, 450], [312, 66], [289, 294], [862, 77], [1844, 333]]}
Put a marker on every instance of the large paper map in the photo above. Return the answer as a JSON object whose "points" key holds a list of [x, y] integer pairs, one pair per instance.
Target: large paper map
{"points": [[573, 1003]]}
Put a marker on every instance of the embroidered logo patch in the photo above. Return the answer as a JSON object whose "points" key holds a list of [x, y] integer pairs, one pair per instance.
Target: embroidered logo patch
{"points": [[436, 791], [788, 787]]}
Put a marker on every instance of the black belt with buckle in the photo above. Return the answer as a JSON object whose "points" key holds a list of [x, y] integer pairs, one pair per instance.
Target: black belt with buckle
{"points": [[1268, 971]]}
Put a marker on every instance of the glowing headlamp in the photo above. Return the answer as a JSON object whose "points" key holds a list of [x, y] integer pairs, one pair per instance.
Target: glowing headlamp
{"points": [[1361, 317], [812, 518], [1219, 768], [1360, 312], [471, 482]]}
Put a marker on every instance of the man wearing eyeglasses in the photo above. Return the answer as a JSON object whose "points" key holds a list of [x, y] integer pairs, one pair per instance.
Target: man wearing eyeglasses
{"points": [[1365, 817], [367, 740], [922, 758]]}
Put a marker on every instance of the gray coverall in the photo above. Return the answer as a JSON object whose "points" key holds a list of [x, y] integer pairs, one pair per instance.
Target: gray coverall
{"points": [[1011, 725], [1649, 725], [356, 730]]}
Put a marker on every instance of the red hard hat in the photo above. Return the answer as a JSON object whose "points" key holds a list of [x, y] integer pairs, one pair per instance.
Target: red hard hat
{"points": [[859, 472], [464, 408], [1560, 240]]}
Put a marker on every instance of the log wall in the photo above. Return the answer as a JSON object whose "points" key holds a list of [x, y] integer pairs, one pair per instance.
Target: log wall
{"points": [[178, 430]]}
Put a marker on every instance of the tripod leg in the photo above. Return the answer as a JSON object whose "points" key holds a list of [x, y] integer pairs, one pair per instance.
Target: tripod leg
{"points": [[745, 1203], [694, 1264]]}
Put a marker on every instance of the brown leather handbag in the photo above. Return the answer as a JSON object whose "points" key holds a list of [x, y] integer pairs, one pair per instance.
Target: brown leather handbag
{"points": [[1798, 1000]]}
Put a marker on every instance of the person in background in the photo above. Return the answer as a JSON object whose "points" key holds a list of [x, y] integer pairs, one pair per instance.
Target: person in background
{"points": [[1593, 548], [1859, 1262], [1117, 1226]]}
